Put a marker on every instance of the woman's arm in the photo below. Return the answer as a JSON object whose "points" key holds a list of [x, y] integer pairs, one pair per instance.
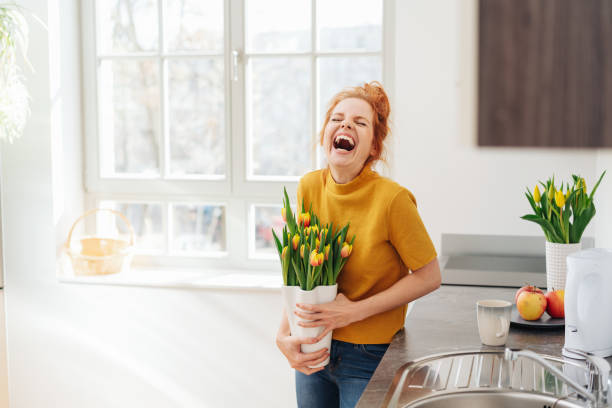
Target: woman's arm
{"points": [[342, 311], [290, 346]]}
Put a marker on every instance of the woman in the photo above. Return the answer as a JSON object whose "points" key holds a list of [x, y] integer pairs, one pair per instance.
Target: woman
{"points": [[375, 285]]}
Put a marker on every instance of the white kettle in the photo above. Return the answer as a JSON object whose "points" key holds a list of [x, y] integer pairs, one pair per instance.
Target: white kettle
{"points": [[588, 302]]}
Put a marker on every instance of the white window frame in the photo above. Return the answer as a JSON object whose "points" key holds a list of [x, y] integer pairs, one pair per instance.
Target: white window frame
{"points": [[235, 191]]}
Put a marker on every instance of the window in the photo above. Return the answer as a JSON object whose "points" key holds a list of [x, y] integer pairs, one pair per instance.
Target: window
{"points": [[199, 112]]}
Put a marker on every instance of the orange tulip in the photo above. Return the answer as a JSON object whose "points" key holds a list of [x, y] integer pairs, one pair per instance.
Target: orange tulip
{"points": [[315, 229], [316, 259], [296, 241], [323, 233], [307, 231], [306, 219], [346, 250]]}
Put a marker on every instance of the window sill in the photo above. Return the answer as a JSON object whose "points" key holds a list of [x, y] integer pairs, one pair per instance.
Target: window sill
{"points": [[184, 279]]}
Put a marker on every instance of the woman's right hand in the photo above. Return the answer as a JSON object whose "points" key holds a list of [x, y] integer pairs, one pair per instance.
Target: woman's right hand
{"points": [[290, 347]]}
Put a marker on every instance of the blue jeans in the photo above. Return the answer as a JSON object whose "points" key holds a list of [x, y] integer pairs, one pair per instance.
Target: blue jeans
{"points": [[343, 380]]}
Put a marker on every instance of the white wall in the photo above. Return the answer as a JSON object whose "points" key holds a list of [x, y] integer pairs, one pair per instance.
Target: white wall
{"points": [[461, 188], [77, 345]]}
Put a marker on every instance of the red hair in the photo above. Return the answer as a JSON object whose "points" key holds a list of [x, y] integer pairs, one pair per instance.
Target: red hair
{"points": [[374, 94]]}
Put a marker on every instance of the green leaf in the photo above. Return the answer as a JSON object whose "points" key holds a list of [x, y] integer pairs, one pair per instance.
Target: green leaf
{"points": [[291, 223], [546, 226], [596, 185], [299, 275], [279, 247], [566, 216], [536, 210], [580, 223]]}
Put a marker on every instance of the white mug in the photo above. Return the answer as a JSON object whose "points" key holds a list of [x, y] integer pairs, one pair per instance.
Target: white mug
{"points": [[493, 321]]}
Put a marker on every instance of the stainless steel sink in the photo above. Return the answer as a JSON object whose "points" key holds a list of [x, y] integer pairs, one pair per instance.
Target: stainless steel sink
{"points": [[487, 399], [483, 378]]}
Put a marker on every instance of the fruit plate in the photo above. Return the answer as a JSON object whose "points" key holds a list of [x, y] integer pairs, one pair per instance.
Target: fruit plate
{"points": [[544, 322]]}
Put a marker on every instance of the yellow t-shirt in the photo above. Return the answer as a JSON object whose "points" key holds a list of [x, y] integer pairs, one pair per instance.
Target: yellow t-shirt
{"points": [[391, 239]]}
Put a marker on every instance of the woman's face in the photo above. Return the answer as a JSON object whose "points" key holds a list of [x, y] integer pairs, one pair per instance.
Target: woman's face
{"points": [[348, 136]]}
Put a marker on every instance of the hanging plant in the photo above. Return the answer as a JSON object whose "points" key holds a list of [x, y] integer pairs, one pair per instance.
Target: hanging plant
{"points": [[14, 98]]}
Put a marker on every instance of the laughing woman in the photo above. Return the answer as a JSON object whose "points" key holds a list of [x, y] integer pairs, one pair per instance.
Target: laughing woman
{"points": [[393, 261]]}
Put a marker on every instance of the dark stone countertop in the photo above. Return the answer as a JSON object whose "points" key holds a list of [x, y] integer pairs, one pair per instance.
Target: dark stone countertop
{"points": [[445, 320]]}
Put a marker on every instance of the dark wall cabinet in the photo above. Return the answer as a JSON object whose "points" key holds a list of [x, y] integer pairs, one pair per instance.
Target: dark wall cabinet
{"points": [[545, 73]]}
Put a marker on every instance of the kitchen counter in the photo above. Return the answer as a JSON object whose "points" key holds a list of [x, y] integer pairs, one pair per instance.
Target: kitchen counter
{"points": [[445, 320]]}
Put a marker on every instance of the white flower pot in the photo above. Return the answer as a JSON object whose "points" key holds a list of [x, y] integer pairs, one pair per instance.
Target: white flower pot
{"points": [[556, 266], [320, 294]]}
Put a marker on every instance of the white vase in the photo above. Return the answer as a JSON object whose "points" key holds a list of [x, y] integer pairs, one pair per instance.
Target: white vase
{"points": [[320, 294], [556, 265]]}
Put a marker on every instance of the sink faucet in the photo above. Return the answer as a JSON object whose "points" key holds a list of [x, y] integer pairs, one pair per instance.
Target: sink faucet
{"points": [[597, 390]]}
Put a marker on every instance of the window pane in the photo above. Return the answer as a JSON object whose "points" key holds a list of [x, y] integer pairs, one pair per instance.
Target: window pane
{"points": [[129, 116], [266, 218], [146, 220], [278, 25], [336, 73], [354, 25], [278, 117], [194, 25], [127, 25], [198, 228], [196, 116]]}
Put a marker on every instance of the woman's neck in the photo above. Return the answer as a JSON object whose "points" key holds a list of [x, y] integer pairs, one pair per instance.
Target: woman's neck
{"points": [[342, 176]]}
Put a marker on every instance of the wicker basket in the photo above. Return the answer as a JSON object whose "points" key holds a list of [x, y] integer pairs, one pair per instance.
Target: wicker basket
{"points": [[100, 255]]}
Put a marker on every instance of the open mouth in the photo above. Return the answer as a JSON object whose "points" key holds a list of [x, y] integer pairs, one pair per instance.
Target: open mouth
{"points": [[344, 142]]}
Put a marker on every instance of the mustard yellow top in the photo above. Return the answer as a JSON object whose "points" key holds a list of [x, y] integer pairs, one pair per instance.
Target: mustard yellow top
{"points": [[391, 239]]}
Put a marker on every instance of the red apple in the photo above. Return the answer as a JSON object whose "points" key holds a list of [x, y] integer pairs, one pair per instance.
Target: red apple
{"points": [[528, 288], [555, 303], [531, 305]]}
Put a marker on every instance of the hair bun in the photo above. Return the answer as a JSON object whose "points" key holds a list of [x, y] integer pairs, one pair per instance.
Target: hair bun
{"points": [[379, 99]]}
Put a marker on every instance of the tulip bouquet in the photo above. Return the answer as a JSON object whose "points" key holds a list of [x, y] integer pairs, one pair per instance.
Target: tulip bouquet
{"points": [[553, 209], [311, 254]]}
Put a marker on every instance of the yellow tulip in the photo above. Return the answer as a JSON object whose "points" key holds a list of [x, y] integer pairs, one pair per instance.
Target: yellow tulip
{"points": [[583, 185], [284, 214], [560, 199], [302, 251], [284, 252], [307, 231], [536, 194], [551, 192], [317, 242], [327, 248]]}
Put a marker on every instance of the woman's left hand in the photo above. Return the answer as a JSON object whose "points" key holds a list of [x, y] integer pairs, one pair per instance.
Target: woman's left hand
{"points": [[338, 313]]}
